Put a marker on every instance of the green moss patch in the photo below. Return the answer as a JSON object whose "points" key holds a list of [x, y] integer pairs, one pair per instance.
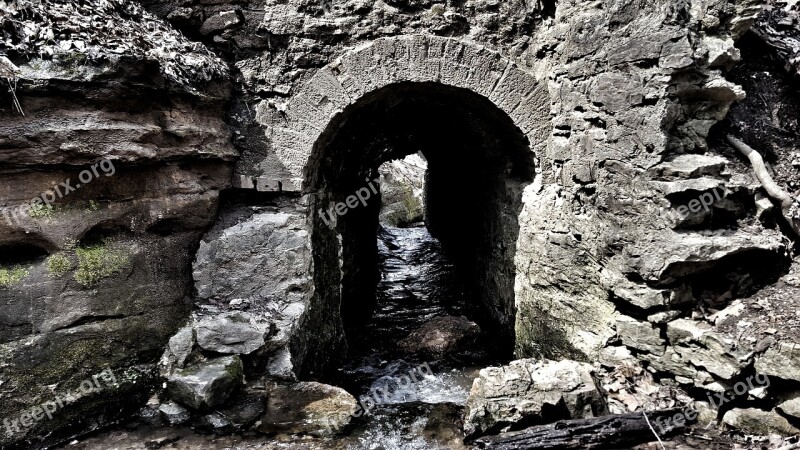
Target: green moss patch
{"points": [[99, 261], [41, 211], [11, 276], [58, 265]]}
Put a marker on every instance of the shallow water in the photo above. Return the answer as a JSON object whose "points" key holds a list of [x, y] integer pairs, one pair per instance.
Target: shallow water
{"points": [[417, 284]]}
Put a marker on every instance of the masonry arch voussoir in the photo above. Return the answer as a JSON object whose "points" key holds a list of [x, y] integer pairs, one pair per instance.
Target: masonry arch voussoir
{"points": [[294, 128]]}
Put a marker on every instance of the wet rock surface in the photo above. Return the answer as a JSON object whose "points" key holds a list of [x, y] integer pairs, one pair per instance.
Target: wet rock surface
{"points": [[307, 408], [206, 385], [440, 336]]}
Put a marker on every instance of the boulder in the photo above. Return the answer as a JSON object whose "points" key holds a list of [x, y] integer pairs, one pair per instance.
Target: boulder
{"points": [[640, 335], [206, 385], [757, 421], [234, 332], [529, 391], [307, 408], [790, 407], [441, 336], [782, 361]]}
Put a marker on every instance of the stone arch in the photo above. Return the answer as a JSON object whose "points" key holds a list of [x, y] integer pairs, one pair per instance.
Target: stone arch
{"points": [[293, 128], [298, 130]]}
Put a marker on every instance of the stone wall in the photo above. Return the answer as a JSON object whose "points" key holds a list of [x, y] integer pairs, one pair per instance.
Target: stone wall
{"points": [[101, 278]]}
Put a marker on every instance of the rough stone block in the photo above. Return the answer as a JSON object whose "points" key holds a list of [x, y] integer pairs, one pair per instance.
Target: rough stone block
{"points": [[206, 385]]}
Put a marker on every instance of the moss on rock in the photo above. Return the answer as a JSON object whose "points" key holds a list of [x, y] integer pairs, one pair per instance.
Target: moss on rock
{"points": [[58, 265], [11, 276], [99, 261]]}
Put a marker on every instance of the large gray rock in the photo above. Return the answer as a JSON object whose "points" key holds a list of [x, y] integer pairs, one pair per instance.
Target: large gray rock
{"points": [[263, 257], [640, 335], [529, 391], [307, 408], [780, 360], [206, 385], [757, 421], [698, 343], [441, 336], [234, 332]]}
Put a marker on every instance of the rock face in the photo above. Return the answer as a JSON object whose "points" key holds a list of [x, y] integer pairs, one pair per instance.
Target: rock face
{"points": [[402, 190], [527, 392], [206, 385], [307, 408], [102, 275], [441, 336]]}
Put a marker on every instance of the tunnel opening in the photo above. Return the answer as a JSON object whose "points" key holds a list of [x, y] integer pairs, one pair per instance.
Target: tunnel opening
{"points": [[478, 165]]}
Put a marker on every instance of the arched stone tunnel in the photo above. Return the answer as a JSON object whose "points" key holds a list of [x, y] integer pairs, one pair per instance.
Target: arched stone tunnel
{"points": [[478, 164], [475, 116]]}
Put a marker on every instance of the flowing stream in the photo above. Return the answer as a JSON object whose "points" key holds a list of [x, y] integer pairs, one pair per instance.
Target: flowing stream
{"points": [[417, 284]]}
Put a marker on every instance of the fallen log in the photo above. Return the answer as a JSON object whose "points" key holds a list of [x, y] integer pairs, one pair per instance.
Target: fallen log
{"points": [[613, 431]]}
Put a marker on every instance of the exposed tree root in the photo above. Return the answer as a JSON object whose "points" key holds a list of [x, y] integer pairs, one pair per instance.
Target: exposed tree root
{"points": [[789, 205]]}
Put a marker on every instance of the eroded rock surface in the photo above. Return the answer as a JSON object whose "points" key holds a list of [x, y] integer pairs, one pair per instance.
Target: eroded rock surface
{"points": [[307, 408], [528, 391], [441, 336], [206, 385]]}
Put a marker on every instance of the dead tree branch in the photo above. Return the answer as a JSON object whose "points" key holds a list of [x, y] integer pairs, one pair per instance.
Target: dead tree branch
{"points": [[788, 204]]}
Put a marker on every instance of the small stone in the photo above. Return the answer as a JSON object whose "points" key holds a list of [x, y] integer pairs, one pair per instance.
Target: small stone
{"points": [[181, 345], [174, 413], [219, 22], [214, 423], [440, 336], [206, 385]]}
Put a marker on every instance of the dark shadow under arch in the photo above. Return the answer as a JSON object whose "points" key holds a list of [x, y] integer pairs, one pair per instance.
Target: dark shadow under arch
{"points": [[479, 163]]}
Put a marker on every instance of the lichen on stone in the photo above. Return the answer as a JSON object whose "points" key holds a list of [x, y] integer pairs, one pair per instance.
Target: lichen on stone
{"points": [[11, 276], [58, 265], [99, 261], [41, 211]]}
